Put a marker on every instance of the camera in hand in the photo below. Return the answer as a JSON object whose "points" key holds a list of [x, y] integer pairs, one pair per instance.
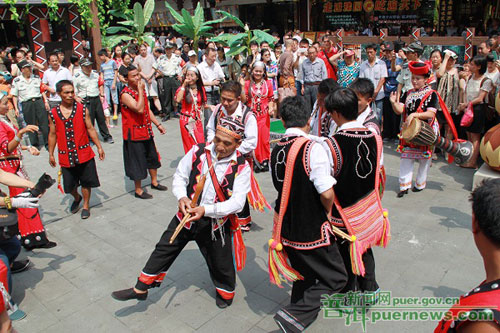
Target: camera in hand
{"points": [[41, 186]]}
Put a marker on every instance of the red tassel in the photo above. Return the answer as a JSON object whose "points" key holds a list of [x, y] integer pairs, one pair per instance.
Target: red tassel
{"points": [[59, 175], [240, 251], [60, 188]]}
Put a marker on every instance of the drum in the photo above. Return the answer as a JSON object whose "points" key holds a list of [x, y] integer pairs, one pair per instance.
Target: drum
{"points": [[419, 133]]}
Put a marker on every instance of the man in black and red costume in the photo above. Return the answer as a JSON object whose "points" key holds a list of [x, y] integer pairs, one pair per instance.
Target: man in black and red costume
{"points": [[355, 154], [70, 128], [301, 225], [232, 107], [483, 302], [139, 150], [223, 176]]}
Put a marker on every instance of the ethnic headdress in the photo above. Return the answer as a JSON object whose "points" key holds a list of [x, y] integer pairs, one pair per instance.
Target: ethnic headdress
{"points": [[418, 68], [231, 127]]}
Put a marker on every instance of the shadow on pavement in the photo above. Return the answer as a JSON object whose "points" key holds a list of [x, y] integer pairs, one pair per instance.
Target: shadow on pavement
{"points": [[452, 217]]}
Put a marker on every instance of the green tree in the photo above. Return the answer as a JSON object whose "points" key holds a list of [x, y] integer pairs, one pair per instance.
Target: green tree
{"points": [[132, 26], [240, 43], [192, 27]]}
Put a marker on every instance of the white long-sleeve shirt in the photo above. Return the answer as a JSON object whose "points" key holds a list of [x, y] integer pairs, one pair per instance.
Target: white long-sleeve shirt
{"points": [[320, 174], [240, 189], [250, 141]]}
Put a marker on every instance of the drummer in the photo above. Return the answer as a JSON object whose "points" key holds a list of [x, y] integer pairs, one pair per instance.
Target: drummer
{"points": [[417, 103]]}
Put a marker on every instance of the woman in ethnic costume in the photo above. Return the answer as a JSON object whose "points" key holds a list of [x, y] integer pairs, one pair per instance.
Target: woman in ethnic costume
{"points": [[257, 94], [193, 98], [30, 224], [420, 102]]}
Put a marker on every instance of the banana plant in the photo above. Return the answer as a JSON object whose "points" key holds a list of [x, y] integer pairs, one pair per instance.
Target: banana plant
{"points": [[132, 26], [194, 26], [240, 43]]}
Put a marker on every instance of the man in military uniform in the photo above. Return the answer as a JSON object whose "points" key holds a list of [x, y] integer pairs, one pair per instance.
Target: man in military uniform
{"points": [[88, 91], [26, 89], [168, 67]]}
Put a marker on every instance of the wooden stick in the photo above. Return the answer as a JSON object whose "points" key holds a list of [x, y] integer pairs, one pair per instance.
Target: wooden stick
{"points": [[342, 234], [199, 189], [275, 141]]}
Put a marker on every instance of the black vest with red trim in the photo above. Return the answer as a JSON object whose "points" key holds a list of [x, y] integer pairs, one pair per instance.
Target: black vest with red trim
{"points": [[136, 126], [72, 138], [305, 224], [483, 300], [226, 184], [354, 153], [372, 122]]}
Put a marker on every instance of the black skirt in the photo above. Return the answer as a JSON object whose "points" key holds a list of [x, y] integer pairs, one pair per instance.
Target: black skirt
{"points": [[139, 157], [477, 125]]}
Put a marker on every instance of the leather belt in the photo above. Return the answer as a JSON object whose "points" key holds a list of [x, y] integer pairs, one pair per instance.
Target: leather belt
{"points": [[316, 83]]}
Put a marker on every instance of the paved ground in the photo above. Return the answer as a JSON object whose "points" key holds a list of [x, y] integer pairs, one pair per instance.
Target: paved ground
{"points": [[68, 287]]}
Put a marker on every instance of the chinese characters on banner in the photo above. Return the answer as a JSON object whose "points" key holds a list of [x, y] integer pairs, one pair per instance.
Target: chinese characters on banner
{"points": [[445, 14], [336, 6]]}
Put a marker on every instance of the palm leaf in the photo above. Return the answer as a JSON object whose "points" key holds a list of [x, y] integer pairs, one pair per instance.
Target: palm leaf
{"points": [[149, 8], [231, 17], [236, 50], [119, 13], [128, 23], [174, 13], [219, 20], [264, 36], [198, 17], [114, 30], [138, 14], [188, 20], [184, 30]]}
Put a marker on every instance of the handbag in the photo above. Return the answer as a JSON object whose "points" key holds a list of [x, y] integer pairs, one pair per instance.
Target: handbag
{"points": [[468, 116]]}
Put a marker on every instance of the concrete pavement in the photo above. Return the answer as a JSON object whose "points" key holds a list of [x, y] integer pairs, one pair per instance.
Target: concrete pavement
{"points": [[68, 288]]}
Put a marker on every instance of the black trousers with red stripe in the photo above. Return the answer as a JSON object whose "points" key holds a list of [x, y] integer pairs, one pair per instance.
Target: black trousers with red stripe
{"points": [[324, 274], [219, 258]]}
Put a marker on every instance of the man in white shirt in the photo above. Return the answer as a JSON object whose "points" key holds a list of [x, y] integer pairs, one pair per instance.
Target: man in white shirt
{"points": [[376, 70], [145, 61], [304, 234], [223, 176], [212, 76], [54, 74]]}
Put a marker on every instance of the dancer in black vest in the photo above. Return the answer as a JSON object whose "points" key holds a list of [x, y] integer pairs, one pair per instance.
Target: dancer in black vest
{"points": [[354, 155], [212, 221], [302, 227], [232, 107]]}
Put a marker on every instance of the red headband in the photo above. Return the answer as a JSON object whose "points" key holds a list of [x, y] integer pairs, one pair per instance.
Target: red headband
{"points": [[418, 70]]}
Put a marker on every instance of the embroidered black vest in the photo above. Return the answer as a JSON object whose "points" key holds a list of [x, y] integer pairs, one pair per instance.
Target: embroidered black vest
{"points": [[305, 224], [226, 184], [372, 122], [354, 153]]}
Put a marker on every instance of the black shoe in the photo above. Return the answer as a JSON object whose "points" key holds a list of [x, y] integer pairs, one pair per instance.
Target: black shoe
{"points": [[265, 166], [109, 140], [221, 302], [144, 195], [48, 245], [75, 206], [176, 115], [127, 294], [159, 187], [165, 118], [19, 266], [402, 193], [414, 189], [85, 214], [256, 168]]}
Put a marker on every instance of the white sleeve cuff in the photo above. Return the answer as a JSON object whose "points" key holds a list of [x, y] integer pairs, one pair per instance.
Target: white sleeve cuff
{"points": [[210, 210], [326, 185]]}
